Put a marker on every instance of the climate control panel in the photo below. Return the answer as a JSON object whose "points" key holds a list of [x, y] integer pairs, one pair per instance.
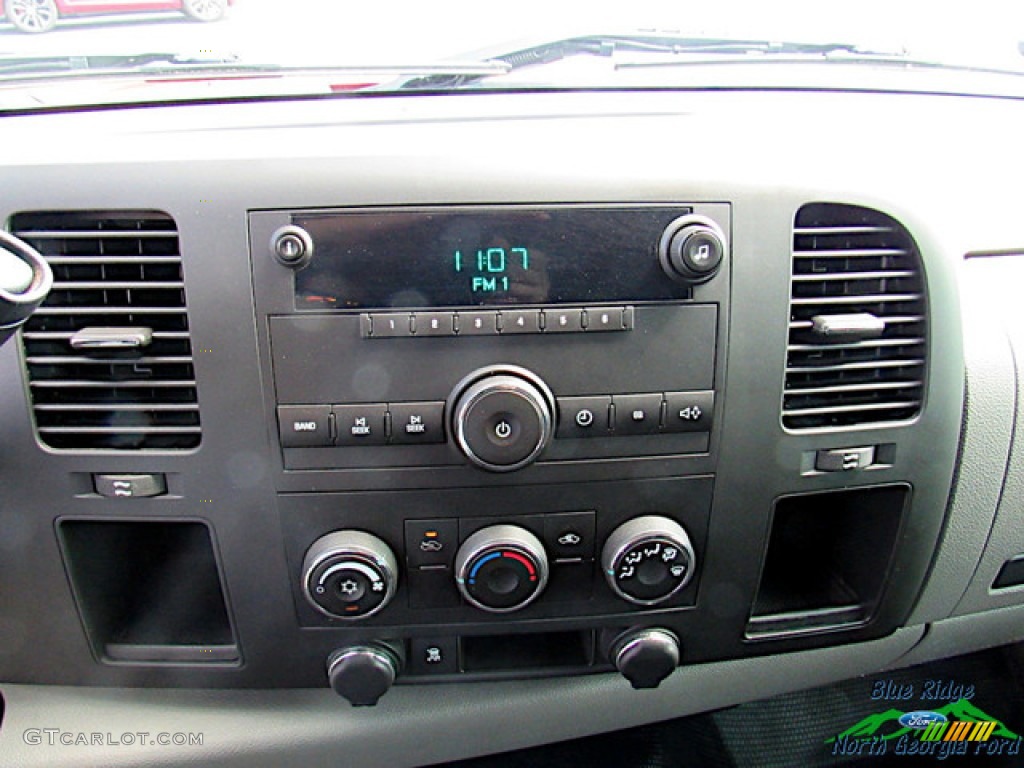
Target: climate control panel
{"points": [[457, 557]]}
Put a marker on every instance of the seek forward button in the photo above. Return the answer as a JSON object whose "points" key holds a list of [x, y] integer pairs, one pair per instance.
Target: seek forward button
{"points": [[417, 423]]}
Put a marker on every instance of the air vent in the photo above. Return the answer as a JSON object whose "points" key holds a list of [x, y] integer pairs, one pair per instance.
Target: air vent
{"points": [[857, 331], [108, 353]]}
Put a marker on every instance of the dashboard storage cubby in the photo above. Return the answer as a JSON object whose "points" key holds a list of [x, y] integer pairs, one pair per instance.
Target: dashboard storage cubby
{"points": [[827, 560], [149, 591]]}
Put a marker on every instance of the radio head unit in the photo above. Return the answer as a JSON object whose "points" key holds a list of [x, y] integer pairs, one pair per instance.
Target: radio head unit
{"points": [[491, 337]]}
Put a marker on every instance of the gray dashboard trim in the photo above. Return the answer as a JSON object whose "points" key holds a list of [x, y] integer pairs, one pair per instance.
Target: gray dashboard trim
{"points": [[413, 725], [984, 447]]}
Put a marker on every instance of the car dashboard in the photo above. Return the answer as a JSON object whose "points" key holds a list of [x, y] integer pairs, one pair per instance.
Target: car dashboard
{"points": [[485, 410]]}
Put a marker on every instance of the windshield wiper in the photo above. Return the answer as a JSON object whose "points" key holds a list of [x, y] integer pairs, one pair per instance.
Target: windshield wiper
{"points": [[668, 50], [16, 68], [609, 45]]}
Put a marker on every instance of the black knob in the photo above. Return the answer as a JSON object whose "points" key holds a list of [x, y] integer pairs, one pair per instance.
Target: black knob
{"points": [[292, 246], [501, 568], [364, 673], [691, 249], [648, 559], [645, 657], [502, 417], [349, 574]]}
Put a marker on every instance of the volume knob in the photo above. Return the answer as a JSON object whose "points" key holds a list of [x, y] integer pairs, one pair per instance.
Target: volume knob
{"points": [[502, 417]]}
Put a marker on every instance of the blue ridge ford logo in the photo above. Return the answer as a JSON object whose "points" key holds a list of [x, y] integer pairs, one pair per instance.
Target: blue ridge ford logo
{"points": [[921, 719]]}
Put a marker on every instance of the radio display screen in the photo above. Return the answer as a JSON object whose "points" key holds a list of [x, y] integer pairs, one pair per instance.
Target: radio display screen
{"points": [[470, 257]]}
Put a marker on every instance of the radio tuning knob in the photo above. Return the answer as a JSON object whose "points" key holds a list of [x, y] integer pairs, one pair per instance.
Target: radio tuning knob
{"points": [[648, 560], [692, 249], [349, 575]]}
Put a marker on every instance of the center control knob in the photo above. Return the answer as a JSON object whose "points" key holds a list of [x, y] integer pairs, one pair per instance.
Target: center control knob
{"points": [[502, 417], [648, 559], [501, 568], [349, 574]]}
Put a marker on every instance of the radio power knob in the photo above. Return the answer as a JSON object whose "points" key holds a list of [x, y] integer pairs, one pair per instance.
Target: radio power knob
{"points": [[648, 560], [502, 417], [692, 249]]}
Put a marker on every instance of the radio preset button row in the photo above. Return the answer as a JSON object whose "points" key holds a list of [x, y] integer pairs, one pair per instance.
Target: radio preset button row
{"points": [[635, 414], [323, 426], [506, 322]]}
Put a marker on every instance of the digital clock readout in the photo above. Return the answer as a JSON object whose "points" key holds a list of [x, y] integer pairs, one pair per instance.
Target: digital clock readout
{"points": [[491, 270]]}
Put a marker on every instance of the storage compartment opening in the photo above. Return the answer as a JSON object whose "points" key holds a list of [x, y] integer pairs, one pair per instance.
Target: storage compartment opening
{"points": [[542, 650], [149, 591], [827, 560]]}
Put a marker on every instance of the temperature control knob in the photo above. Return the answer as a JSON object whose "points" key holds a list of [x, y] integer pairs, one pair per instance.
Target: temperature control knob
{"points": [[648, 559], [502, 417], [692, 249], [501, 568], [349, 574]]}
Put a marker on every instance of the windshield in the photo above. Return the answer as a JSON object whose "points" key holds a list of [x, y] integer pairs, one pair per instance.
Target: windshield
{"points": [[82, 52]]}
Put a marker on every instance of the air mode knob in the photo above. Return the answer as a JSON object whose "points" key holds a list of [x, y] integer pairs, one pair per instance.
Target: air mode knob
{"points": [[502, 417], [349, 574], [501, 568], [648, 559], [692, 249]]}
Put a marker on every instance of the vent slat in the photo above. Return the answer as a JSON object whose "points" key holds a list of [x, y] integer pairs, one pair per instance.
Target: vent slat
{"points": [[841, 230], [101, 261], [120, 430], [865, 366], [863, 378], [834, 409], [875, 298], [107, 310], [840, 389], [120, 269], [82, 384], [83, 360], [850, 253], [870, 344], [820, 277], [118, 286], [98, 407], [94, 234]]}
